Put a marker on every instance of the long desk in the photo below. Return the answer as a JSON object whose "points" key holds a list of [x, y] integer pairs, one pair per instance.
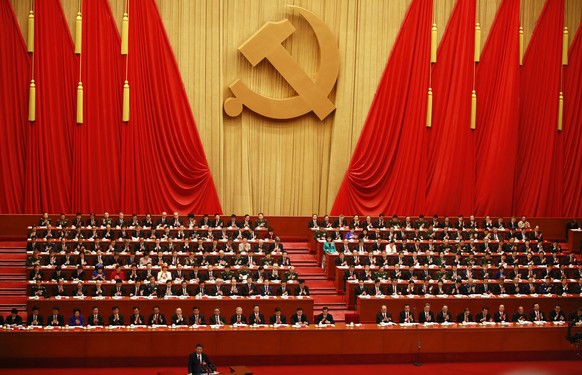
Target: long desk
{"points": [[168, 307], [369, 307], [350, 295], [283, 345]]}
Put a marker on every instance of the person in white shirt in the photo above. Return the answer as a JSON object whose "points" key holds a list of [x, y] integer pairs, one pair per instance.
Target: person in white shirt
{"points": [[164, 275]]}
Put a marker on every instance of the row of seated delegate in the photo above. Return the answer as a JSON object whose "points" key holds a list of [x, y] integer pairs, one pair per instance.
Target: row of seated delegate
{"points": [[170, 289], [382, 222], [536, 314], [157, 318]]}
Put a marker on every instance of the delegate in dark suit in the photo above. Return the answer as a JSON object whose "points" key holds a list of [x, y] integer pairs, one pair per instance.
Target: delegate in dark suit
{"points": [[282, 319], [426, 317], [198, 363]]}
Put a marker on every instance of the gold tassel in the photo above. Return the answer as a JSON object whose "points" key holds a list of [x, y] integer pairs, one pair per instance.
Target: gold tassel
{"points": [[429, 109], [433, 44], [473, 110], [30, 36], [126, 101], [520, 45], [565, 46], [32, 101], [80, 103], [560, 111], [78, 33], [124, 33], [477, 42]]}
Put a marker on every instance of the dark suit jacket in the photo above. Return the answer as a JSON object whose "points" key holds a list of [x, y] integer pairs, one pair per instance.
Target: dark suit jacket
{"points": [[213, 320], [161, 319], [532, 316], [243, 319], [139, 320], [91, 320], [60, 320], [112, 321], [253, 320], [182, 322], [497, 317], [380, 318], [461, 318], [441, 317], [402, 317], [201, 319], [195, 366], [320, 318], [38, 319], [273, 319], [296, 319], [423, 319], [479, 318]]}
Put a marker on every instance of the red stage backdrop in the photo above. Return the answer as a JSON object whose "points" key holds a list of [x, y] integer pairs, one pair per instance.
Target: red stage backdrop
{"points": [[154, 162], [515, 162], [14, 78], [572, 134], [538, 187], [97, 142], [49, 148], [164, 165], [388, 169]]}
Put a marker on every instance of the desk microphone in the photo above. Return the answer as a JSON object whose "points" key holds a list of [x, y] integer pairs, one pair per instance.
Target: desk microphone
{"points": [[417, 363]]}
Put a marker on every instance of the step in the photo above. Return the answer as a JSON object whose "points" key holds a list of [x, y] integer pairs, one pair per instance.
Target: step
{"points": [[8, 244], [295, 245]]}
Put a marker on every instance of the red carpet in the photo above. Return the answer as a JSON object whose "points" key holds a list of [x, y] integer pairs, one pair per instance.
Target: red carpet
{"points": [[487, 368]]}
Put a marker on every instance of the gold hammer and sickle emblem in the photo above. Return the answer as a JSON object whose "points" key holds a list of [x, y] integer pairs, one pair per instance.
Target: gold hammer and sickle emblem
{"points": [[312, 94]]}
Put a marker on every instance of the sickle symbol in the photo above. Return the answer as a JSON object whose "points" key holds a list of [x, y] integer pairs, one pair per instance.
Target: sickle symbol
{"points": [[312, 94]]}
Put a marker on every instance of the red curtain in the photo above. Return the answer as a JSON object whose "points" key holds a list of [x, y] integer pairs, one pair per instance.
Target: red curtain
{"points": [[164, 165], [97, 141], [572, 133], [14, 78], [451, 148], [387, 171], [497, 85], [538, 187], [49, 144]]}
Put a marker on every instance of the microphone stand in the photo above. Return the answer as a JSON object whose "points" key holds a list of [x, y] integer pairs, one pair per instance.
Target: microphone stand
{"points": [[417, 363]]}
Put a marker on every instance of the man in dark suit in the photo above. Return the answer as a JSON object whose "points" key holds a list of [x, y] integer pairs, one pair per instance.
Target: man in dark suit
{"points": [[256, 317], [483, 316], [383, 316], [137, 318], [216, 318], [34, 319], [56, 319], [426, 316], [537, 315], [444, 315], [115, 319], [500, 316], [465, 316], [556, 315], [249, 289], [406, 316], [299, 317], [197, 318], [238, 317], [157, 318], [302, 289], [278, 318], [325, 317], [13, 318], [519, 315], [95, 319], [198, 362], [178, 319]]}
